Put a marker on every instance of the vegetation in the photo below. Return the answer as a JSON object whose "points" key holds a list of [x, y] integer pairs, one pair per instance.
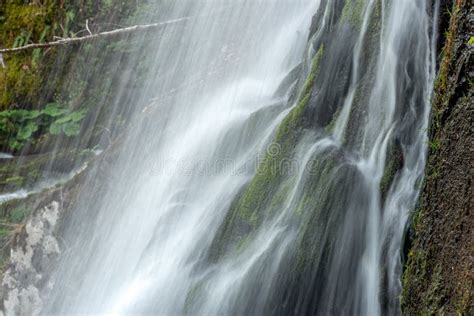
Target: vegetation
{"points": [[248, 211], [29, 105], [353, 12], [438, 274], [18, 127], [36, 114]]}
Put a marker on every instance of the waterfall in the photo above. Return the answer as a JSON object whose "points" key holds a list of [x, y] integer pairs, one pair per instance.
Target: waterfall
{"points": [[271, 168]]}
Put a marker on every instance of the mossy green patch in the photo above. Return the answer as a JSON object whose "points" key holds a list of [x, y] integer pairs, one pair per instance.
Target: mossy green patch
{"points": [[17, 127], [77, 88], [24, 172], [18, 214], [269, 172], [332, 124], [388, 175], [20, 79], [353, 12], [268, 188], [437, 277], [16, 181], [192, 296], [4, 232]]}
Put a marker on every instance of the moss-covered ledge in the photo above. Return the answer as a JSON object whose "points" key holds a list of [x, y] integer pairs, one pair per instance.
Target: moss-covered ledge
{"points": [[248, 211]]}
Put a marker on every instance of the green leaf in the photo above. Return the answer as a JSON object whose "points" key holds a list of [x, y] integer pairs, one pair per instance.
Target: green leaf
{"points": [[19, 41], [72, 129], [4, 125], [23, 115], [32, 114], [44, 34], [70, 15], [36, 55], [72, 117], [53, 110], [55, 128], [15, 145], [18, 115], [78, 115], [27, 130], [64, 119]]}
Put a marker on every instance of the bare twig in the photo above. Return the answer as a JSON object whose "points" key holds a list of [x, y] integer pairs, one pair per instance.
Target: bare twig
{"points": [[72, 40], [87, 27]]}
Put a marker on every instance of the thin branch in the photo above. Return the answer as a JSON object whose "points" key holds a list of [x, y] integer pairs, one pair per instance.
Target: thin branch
{"points": [[87, 27], [71, 40]]}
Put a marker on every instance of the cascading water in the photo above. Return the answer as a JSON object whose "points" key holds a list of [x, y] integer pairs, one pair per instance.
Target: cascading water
{"points": [[269, 174]]}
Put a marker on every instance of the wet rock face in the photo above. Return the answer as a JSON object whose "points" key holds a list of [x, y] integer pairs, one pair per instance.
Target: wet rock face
{"points": [[438, 277], [34, 249]]}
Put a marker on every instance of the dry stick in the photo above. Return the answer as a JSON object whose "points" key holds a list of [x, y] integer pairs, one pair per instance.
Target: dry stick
{"points": [[72, 40]]}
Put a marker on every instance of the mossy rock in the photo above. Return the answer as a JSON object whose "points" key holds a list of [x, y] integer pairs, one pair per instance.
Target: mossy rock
{"points": [[24, 171], [395, 161], [251, 207], [353, 12]]}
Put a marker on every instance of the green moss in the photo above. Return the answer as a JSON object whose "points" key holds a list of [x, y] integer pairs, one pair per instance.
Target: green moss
{"points": [[434, 145], [193, 294], [16, 182], [433, 300], [243, 243], [19, 127], [311, 207], [24, 172], [411, 273], [269, 171], [428, 284], [22, 84], [442, 81], [18, 214], [23, 23], [353, 12], [462, 307], [267, 189], [393, 164], [4, 232], [332, 124], [388, 175], [434, 296]]}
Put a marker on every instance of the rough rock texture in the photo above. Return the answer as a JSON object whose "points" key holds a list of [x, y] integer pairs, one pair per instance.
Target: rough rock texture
{"points": [[439, 273], [36, 244], [35, 247]]}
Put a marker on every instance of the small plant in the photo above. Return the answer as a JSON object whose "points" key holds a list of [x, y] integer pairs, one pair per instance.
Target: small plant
{"points": [[18, 127], [37, 53], [16, 181], [68, 123], [22, 39], [18, 215], [4, 232], [435, 145]]}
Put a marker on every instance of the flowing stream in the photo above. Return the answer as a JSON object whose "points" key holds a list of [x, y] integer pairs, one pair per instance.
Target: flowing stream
{"points": [[272, 171]]}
